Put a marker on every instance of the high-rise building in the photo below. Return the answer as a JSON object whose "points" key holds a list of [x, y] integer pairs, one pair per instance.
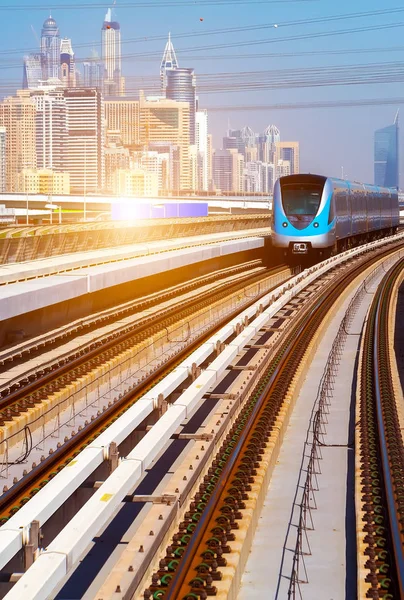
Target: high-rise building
{"points": [[240, 139], [169, 61], [386, 153], [259, 177], [114, 84], [268, 177], [50, 128], [193, 167], [283, 168], [135, 182], [116, 157], [93, 70], [228, 170], [181, 86], [67, 64], [50, 49], [210, 160], [253, 176], [166, 122], [32, 71], [267, 144], [122, 115], [201, 141], [3, 159], [288, 151], [17, 115], [85, 140], [154, 161]]}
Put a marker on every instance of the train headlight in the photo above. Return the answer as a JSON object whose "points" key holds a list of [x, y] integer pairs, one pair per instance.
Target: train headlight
{"points": [[284, 224], [315, 225]]}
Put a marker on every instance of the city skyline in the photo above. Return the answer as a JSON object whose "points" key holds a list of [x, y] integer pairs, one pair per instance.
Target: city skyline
{"points": [[314, 129]]}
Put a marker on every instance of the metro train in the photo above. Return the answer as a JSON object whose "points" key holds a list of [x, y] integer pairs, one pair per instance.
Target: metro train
{"points": [[317, 215]]}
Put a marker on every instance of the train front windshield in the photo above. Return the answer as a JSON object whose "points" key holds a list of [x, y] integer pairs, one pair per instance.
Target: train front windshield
{"points": [[301, 198]]}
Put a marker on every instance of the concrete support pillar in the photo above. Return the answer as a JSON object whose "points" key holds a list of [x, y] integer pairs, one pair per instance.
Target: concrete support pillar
{"points": [[161, 405], [219, 347], [32, 546], [195, 371], [113, 459]]}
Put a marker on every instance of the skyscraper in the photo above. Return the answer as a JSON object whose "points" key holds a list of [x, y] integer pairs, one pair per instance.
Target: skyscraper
{"points": [[169, 61], [386, 152], [228, 170], [32, 71], [93, 71], [17, 115], [50, 49], [50, 128], [164, 120], [181, 86], [122, 118], [3, 161], [201, 141], [85, 139], [114, 84], [240, 139], [289, 152], [67, 64], [266, 144]]}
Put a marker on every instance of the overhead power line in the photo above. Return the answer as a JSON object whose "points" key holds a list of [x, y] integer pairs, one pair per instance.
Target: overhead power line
{"points": [[241, 29], [8, 64], [277, 40], [323, 76], [310, 105], [150, 4]]}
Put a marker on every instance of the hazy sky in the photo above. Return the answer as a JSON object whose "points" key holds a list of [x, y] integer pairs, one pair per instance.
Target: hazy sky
{"points": [[329, 137]]}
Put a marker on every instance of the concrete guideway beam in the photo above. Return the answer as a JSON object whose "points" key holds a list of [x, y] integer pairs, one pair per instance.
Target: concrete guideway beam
{"points": [[27, 296], [49, 499], [14, 272], [77, 535]]}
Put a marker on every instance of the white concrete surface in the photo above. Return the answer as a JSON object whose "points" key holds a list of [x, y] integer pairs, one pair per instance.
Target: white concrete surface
{"points": [[14, 272], [269, 566], [26, 296]]}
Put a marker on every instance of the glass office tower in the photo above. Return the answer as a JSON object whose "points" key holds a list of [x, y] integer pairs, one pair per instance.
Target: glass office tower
{"points": [[386, 156]]}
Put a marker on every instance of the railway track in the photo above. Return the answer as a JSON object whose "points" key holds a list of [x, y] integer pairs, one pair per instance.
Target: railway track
{"points": [[36, 386], [18, 353], [31, 482], [192, 562], [380, 457]]}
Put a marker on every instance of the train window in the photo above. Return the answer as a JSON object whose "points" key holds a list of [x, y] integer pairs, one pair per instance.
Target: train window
{"points": [[301, 199]]}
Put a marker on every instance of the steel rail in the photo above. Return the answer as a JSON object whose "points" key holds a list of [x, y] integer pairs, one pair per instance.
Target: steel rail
{"points": [[202, 539], [16, 353], [113, 341], [390, 440], [16, 496]]}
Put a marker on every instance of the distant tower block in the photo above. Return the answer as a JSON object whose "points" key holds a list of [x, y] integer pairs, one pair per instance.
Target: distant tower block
{"points": [[114, 83], [50, 49], [67, 64], [169, 61], [386, 155]]}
